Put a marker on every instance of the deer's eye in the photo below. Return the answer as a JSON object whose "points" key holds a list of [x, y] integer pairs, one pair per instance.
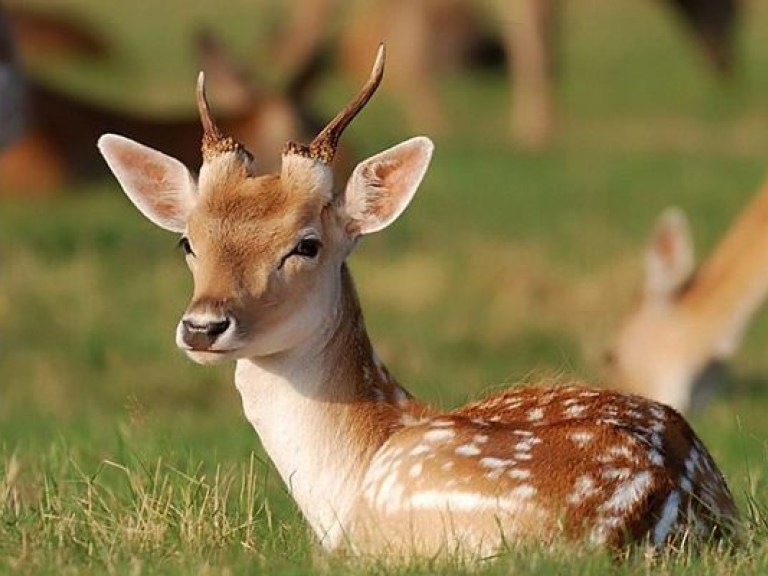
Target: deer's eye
{"points": [[307, 248], [186, 246]]}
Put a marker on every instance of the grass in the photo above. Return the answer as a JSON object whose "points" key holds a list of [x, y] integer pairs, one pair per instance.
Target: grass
{"points": [[119, 455]]}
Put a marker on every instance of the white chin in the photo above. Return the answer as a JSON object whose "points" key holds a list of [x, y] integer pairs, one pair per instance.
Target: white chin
{"points": [[209, 357]]}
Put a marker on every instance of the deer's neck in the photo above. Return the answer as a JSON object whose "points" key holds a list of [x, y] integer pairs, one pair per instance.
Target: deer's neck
{"points": [[732, 284], [322, 410]]}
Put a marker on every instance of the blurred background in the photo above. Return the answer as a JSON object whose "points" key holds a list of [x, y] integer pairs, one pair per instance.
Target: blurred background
{"points": [[519, 257]]}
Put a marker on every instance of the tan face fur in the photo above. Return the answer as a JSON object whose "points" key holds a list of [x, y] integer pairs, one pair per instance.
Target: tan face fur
{"points": [[243, 238], [265, 251], [657, 352]]}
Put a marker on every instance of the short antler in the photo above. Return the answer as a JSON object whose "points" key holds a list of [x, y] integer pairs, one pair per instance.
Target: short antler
{"points": [[214, 141], [323, 147]]}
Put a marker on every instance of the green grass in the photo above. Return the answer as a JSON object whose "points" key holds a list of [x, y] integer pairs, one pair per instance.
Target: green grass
{"points": [[119, 455]]}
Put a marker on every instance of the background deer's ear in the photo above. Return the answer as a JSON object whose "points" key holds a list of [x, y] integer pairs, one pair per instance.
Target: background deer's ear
{"points": [[669, 261], [160, 186], [382, 186], [233, 92]]}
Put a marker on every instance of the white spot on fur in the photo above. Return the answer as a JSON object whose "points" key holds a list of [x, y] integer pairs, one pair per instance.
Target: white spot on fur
{"points": [[691, 462], [490, 462], [584, 487], [668, 518], [535, 414], [442, 423], [467, 450], [439, 435], [419, 450], [415, 470], [620, 451], [384, 490], [575, 411], [523, 492], [629, 493], [610, 410], [616, 473], [655, 457], [519, 473], [581, 437], [523, 446], [480, 439], [446, 466]]}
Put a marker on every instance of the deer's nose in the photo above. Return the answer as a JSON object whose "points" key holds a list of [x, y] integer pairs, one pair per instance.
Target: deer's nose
{"points": [[201, 333]]}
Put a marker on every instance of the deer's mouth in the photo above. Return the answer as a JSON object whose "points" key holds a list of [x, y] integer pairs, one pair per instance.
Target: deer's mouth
{"points": [[208, 356]]}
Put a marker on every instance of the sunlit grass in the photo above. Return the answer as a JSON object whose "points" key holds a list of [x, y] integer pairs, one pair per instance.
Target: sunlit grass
{"points": [[119, 455], [62, 510]]}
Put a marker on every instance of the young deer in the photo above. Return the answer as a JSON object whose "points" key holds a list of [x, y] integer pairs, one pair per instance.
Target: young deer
{"points": [[691, 321], [372, 468]]}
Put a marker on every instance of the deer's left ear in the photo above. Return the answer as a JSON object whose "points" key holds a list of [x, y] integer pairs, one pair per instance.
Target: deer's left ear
{"points": [[382, 186], [669, 260]]}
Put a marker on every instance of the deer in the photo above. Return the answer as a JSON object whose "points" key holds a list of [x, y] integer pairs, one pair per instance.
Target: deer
{"points": [[55, 146], [374, 470], [54, 35], [529, 34], [690, 321]]}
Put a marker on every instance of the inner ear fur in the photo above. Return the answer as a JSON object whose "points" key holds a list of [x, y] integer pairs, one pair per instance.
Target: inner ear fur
{"points": [[669, 257], [160, 186], [382, 186]]}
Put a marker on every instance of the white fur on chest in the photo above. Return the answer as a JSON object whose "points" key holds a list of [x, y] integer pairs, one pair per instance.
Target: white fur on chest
{"points": [[306, 446]]}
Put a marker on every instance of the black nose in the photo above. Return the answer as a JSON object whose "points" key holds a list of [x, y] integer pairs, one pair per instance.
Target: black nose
{"points": [[202, 335]]}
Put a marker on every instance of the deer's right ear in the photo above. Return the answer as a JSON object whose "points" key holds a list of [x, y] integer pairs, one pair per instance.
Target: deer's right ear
{"points": [[669, 261], [160, 186]]}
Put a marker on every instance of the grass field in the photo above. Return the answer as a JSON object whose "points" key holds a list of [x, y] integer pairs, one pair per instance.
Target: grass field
{"points": [[117, 454]]}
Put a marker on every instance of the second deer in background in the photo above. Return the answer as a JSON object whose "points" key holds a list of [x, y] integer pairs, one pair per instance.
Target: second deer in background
{"points": [[425, 36], [691, 320], [56, 144]]}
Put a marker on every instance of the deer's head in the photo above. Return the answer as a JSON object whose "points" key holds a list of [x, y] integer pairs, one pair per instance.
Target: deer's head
{"points": [[266, 251], [658, 352]]}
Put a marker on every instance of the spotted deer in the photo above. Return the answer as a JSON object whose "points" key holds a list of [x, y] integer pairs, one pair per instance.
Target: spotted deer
{"points": [[690, 321], [372, 468]]}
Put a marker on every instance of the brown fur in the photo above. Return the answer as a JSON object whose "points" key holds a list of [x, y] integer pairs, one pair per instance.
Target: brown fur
{"points": [[705, 317], [369, 465], [244, 224]]}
